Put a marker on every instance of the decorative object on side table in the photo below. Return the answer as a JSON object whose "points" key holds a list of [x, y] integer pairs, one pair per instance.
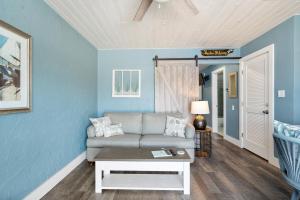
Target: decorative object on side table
{"points": [[200, 108], [203, 143], [15, 70]]}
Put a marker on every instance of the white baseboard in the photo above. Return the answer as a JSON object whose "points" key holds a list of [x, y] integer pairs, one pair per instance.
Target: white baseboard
{"points": [[221, 134], [45, 187], [232, 140], [274, 161]]}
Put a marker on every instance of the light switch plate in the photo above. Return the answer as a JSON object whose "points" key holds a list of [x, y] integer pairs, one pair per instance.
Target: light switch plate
{"points": [[281, 93], [232, 107]]}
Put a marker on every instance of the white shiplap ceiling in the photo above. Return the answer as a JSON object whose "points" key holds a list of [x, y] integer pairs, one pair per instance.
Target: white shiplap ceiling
{"points": [[108, 24]]}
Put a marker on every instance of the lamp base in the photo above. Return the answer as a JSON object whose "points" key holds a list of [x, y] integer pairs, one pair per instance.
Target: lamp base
{"points": [[200, 122]]}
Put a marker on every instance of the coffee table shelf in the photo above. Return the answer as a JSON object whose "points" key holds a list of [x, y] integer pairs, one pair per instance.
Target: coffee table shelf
{"points": [[143, 182]]}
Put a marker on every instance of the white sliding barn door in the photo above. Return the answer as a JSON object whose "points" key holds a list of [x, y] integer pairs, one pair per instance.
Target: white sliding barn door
{"points": [[255, 100], [176, 86]]}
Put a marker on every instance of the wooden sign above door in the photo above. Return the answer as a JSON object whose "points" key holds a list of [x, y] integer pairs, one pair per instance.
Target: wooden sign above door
{"points": [[216, 52]]}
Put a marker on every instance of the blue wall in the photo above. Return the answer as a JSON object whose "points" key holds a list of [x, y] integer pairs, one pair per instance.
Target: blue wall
{"points": [[286, 67], [232, 116], [134, 59], [297, 69], [35, 145]]}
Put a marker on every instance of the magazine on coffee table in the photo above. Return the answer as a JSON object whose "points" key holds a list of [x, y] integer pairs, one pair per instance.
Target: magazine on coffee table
{"points": [[161, 153]]}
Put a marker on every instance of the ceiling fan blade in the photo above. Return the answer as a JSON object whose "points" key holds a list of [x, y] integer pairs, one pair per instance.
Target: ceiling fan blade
{"points": [[145, 4], [192, 6]]}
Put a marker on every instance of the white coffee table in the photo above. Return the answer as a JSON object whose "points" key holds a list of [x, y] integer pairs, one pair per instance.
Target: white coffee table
{"points": [[137, 160]]}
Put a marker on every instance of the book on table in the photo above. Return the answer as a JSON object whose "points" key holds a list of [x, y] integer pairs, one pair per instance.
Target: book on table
{"points": [[161, 153]]}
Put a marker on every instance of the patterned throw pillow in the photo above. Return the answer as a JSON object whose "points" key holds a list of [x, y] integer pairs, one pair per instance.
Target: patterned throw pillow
{"points": [[287, 129], [291, 131], [112, 130], [100, 124], [278, 126], [175, 127]]}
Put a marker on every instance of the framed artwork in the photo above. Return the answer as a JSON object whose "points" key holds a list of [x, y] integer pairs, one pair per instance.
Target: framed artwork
{"points": [[15, 70], [126, 83], [232, 85]]}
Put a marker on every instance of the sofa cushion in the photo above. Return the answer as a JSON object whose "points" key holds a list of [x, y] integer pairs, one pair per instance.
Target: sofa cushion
{"points": [[154, 123], [131, 122], [155, 140], [126, 140]]}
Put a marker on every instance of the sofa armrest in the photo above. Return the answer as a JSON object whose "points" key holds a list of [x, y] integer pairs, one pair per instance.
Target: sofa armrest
{"points": [[189, 131], [91, 131]]}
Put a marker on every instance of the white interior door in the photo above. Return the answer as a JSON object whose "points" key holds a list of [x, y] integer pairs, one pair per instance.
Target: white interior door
{"points": [[256, 104], [214, 105], [216, 127]]}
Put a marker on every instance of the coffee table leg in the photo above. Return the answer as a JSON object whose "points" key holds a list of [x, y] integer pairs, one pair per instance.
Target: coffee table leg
{"points": [[186, 178], [98, 178]]}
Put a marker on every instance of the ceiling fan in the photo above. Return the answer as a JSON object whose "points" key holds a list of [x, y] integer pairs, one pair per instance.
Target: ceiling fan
{"points": [[145, 4]]}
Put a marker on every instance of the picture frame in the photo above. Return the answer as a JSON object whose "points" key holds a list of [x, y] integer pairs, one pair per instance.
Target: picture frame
{"points": [[126, 83], [15, 70], [232, 85]]}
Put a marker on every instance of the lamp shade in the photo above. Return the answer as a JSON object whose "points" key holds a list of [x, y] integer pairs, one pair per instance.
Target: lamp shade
{"points": [[200, 107]]}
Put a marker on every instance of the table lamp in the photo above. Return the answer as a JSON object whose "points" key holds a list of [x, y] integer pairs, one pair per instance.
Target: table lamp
{"points": [[200, 108]]}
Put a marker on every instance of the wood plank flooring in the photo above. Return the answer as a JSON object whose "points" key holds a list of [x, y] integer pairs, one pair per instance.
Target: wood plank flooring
{"points": [[230, 174]]}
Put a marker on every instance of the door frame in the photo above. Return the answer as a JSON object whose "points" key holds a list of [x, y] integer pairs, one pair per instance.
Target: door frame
{"points": [[270, 50], [214, 99]]}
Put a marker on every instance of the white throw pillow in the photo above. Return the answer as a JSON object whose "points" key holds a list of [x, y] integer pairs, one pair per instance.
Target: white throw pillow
{"points": [[175, 127], [100, 124], [112, 130]]}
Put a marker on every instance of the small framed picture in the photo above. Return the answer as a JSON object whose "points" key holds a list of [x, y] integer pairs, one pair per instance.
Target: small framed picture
{"points": [[15, 70], [232, 85], [126, 83]]}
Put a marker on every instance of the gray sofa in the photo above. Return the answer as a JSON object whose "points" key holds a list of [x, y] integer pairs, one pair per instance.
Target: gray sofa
{"points": [[141, 130]]}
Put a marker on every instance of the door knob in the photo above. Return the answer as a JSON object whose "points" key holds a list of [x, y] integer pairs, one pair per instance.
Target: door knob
{"points": [[265, 112]]}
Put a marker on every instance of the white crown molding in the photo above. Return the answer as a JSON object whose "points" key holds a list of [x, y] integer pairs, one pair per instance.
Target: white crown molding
{"points": [[45, 187]]}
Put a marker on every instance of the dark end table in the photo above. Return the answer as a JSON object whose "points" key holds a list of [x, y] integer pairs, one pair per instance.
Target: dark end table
{"points": [[203, 143]]}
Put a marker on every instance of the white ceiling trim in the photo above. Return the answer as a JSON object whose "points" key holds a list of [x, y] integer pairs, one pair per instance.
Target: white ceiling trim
{"points": [[108, 24]]}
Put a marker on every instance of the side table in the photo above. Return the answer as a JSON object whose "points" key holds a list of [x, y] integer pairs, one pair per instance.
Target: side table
{"points": [[203, 143]]}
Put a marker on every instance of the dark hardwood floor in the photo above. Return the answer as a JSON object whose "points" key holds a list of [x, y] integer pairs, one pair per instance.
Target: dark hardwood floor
{"points": [[231, 173]]}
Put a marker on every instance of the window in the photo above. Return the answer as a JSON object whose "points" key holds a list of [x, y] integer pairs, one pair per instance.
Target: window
{"points": [[126, 83]]}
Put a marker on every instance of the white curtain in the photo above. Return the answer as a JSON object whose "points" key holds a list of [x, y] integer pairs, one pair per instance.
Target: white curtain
{"points": [[176, 86]]}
